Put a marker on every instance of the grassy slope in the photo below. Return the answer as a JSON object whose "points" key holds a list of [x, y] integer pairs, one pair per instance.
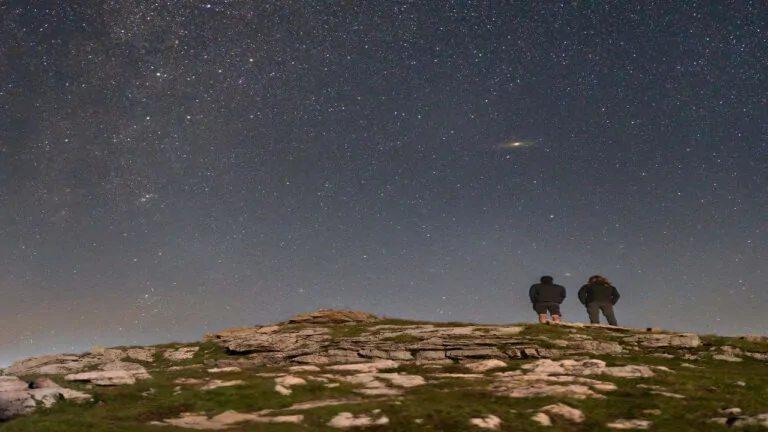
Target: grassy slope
{"points": [[444, 405]]}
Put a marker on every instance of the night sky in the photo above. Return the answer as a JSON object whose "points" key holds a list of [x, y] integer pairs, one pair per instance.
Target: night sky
{"points": [[173, 168]]}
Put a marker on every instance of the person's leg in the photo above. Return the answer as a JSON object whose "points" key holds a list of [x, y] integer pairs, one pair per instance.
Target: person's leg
{"points": [[554, 310], [609, 315], [593, 311], [541, 309]]}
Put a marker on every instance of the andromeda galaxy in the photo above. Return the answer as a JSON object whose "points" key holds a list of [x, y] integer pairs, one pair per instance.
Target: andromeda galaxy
{"points": [[515, 144]]}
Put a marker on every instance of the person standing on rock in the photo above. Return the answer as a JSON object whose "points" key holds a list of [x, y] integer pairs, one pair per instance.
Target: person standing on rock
{"points": [[599, 295], [547, 297]]}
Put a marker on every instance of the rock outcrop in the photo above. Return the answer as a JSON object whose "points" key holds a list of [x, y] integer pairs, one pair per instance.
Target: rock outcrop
{"points": [[18, 397], [369, 360]]}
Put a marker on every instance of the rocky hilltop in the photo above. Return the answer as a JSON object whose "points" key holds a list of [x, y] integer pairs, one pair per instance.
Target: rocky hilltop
{"points": [[331, 370]]}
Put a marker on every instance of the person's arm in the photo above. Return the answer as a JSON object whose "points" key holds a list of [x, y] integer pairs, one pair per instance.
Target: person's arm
{"points": [[533, 293], [615, 295], [583, 295], [562, 294]]}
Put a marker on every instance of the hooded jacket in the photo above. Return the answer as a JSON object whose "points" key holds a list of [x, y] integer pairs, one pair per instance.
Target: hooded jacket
{"points": [[598, 292], [547, 293]]}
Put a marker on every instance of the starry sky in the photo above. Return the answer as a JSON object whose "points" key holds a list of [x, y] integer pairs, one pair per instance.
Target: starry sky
{"points": [[171, 168]]}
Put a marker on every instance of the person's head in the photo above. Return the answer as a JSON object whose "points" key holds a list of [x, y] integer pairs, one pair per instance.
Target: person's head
{"points": [[599, 279], [547, 279]]}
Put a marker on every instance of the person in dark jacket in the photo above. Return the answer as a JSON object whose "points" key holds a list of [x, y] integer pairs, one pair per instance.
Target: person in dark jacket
{"points": [[599, 295], [547, 297]]}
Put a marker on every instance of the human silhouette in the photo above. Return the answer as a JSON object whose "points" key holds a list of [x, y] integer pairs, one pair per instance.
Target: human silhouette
{"points": [[599, 295], [547, 297]]}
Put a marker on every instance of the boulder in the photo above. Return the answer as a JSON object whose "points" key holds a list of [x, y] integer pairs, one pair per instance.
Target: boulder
{"points": [[17, 398]]}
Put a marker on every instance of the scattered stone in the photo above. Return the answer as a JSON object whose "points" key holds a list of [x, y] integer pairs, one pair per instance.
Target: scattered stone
{"points": [[365, 367], [688, 365], [741, 421], [629, 424], [304, 368], [283, 390], [727, 357], [104, 378], [731, 411], [485, 365], [458, 375], [188, 381], [542, 419], [184, 353], [681, 340], [488, 422], [668, 394], [290, 380], [403, 380], [224, 420], [566, 412], [740, 383], [346, 420], [379, 391], [217, 383], [652, 411], [225, 369], [321, 403]]}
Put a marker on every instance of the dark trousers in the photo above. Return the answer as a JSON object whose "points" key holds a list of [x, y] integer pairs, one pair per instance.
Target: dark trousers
{"points": [[593, 309]]}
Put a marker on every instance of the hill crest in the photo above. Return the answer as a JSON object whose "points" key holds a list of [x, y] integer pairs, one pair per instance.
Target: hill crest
{"points": [[339, 368]]}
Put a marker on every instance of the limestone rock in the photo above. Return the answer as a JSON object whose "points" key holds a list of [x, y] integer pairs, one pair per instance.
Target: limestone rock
{"points": [[488, 422], [108, 354], [629, 424], [681, 340], [347, 420], [542, 419], [668, 394], [184, 353], [104, 378], [333, 316], [213, 384], [289, 381], [138, 371], [229, 369], [17, 398], [484, 365], [51, 365], [586, 367], [402, 380], [366, 367], [740, 421], [224, 420], [726, 357], [566, 412], [141, 354]]}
